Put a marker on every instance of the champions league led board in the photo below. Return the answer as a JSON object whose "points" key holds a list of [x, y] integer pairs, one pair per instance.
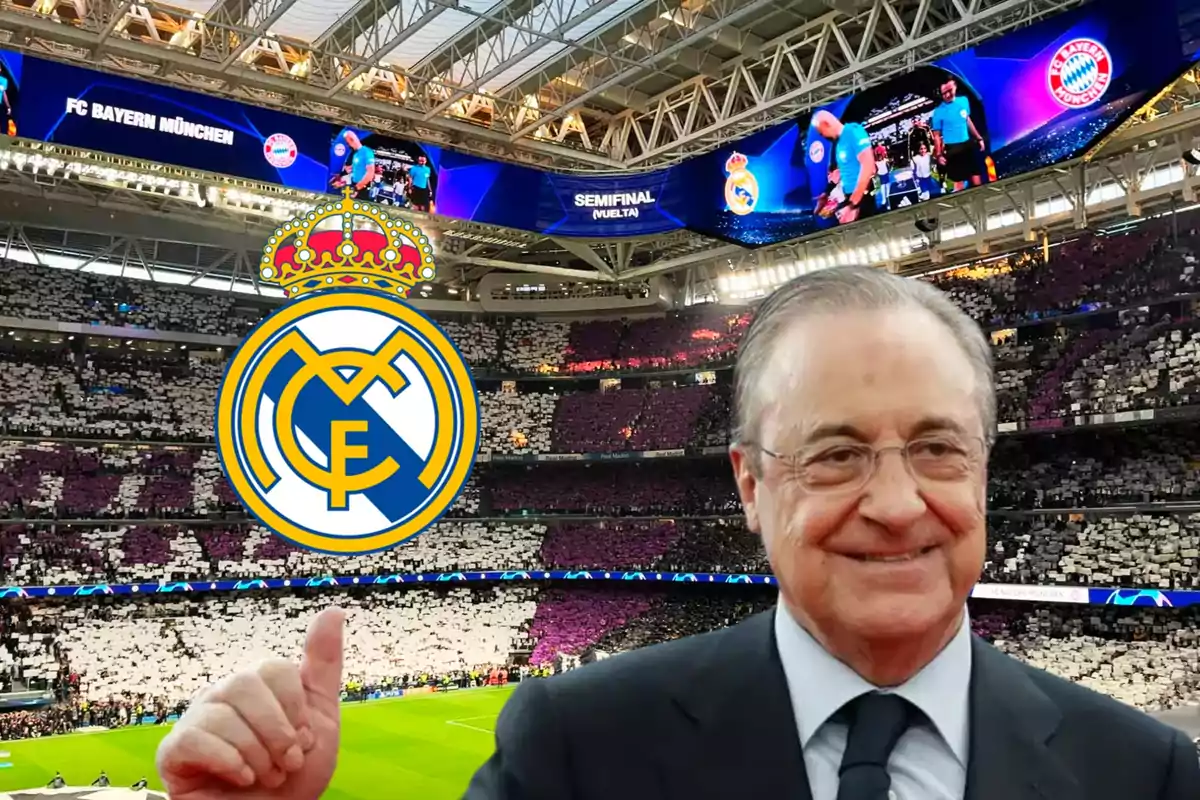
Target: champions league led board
{"points": [[498, 193], [1028, 100], [1012, 105], [73, 106]]}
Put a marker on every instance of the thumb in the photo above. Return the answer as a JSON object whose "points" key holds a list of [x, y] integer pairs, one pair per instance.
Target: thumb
{"points": [[321, 666]]}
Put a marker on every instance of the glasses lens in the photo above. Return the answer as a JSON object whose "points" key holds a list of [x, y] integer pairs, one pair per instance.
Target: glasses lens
{"points": [[836, 466], [942, 458], [845, 467]]}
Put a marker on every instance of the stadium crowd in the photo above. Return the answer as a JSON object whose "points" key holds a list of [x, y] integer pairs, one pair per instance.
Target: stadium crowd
{"points": [[1150, 549], [41, 483], [1135, 360], [132, 491], [140, 661]]}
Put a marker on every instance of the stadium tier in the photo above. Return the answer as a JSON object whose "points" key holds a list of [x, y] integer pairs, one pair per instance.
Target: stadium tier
{"points": [[1074, 468], [156, 652], [108, 476], [1158, 550], [1142, 355]]}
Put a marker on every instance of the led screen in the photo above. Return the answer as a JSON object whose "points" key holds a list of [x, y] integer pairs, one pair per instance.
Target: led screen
{"points": [[79, 107], [479, 189], [1012, 105], [1022, 102]]}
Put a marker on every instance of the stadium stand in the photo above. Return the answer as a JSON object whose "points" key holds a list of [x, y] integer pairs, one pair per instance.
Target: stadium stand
{"points": [[38, 292], [1122, 362], [130, 489], [154, 653], [1093, 549], [1096, 551]]}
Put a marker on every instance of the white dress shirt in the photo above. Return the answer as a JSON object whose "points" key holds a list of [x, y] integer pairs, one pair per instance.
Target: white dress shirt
{"points": [[929, 762]]}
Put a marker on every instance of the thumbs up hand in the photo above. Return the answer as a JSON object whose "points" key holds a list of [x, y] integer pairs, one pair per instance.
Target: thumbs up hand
{"points": [[265, 733]]}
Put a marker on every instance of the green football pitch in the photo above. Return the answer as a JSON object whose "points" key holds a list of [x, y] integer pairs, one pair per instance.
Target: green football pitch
{"points": [[422, 746]]}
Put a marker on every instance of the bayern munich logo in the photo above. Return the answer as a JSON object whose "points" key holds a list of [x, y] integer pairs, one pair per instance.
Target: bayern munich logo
{"points": [[1080, 73], [816, 152], [280, 150]]}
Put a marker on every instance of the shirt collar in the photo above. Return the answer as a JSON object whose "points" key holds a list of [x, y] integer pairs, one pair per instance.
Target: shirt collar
{"points": [[820, 685]]}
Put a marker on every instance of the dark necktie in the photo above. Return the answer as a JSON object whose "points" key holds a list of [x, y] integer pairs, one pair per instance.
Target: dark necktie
{"points": [[877, 721]]}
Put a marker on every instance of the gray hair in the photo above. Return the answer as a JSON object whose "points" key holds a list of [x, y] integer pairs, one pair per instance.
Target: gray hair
{"points": [[851, 289]]}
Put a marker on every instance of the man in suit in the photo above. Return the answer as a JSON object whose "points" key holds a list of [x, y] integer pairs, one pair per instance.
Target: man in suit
{"points": [[864, 414]]}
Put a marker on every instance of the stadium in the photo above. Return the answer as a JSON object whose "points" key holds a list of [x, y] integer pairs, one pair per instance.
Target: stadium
{"points": [[609, 189]]}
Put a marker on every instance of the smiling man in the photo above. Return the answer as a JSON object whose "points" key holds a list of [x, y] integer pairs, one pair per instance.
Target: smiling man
{"points": [[865, 410]]}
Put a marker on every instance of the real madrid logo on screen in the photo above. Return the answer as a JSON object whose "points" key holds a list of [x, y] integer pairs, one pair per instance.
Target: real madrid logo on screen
{"points": [[1080, 73], [741, 187], [347, 421]]}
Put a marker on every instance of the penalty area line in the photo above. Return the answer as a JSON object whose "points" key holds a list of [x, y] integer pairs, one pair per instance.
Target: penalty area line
{"points": [[462, 723]]}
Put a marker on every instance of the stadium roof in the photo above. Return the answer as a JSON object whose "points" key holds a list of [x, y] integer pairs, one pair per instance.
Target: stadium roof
{"points": [[93, 208], [580, 84]]}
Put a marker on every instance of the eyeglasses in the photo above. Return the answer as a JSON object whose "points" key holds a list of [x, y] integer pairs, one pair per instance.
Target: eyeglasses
{"points": [[849, 466]]}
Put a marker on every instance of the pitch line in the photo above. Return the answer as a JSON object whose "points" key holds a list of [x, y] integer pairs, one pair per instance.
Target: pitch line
{"points": [[462, 723]]}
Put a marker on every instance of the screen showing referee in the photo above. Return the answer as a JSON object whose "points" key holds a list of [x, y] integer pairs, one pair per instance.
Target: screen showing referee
{"points": [[362, 168], [854, 158], [957, 142], [420, 196]]}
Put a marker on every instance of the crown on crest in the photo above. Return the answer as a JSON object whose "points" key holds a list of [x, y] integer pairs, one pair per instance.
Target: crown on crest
{"points": [[310, 253], [736, 163]]}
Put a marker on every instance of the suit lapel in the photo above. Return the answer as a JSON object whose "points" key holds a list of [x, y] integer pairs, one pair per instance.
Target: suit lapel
{"points": [[743, 737], [1012, 721]]}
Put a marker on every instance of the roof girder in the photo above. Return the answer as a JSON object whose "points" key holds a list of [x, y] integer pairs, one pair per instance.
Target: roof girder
{"points": [[257, 15], [825, 58], [390, 29], [481, 28], [546, 23], [726, 12]]}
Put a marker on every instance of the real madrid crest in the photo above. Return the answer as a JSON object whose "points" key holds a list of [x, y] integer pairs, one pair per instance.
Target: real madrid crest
{"points": [[741, 187], [347, 421]]}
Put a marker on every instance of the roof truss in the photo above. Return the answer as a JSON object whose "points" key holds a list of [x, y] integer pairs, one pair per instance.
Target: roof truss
{"points": [[539, 81], [826, 58]]}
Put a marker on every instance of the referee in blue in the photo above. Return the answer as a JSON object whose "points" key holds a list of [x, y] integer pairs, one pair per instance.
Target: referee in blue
{"points": [[420, 194], [957, 143], [855, 160], [818, 154], [362, 168]]}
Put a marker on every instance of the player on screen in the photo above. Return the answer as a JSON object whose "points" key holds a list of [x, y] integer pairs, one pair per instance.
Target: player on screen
{"points": [[57, 782], [957, 142], [855, 159], [102, 780], [362, 168], [420, 193]]}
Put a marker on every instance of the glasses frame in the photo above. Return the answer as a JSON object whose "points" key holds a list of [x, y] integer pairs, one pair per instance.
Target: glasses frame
{"points": [[791, 459]]}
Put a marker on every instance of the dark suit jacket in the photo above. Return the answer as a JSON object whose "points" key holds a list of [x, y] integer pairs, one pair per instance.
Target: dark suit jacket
{"points": [[710, 717]]}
